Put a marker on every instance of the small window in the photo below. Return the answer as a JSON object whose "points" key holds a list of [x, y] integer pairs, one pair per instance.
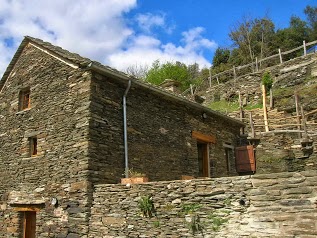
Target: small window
{"points": [[24, 99], [33, 146]]}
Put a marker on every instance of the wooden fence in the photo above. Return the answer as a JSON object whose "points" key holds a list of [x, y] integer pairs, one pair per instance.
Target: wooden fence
{"points": [[251, 67], [258, 63], [292, 124]]}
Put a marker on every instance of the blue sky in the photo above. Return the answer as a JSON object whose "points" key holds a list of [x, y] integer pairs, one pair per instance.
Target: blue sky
{"points": [[123, 33]]}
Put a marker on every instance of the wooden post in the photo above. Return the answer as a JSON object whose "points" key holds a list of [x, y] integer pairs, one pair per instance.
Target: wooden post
{"points": [[297, 113], [280, 54], [251, 125], [304, 46], [241, 107], [304, 122], [241, 111], [271, 99], [266, 125], [191, 89], [256, 64], [209, 78], [234, 73]]}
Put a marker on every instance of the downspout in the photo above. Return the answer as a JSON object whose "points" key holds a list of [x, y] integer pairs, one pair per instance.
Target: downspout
{"points": [[125, 134]]}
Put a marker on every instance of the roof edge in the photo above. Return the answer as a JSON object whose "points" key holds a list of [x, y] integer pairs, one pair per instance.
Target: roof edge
{"points": [[124, 77]]}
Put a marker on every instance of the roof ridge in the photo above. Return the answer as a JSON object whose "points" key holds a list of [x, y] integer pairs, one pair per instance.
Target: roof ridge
{"points": [[87, 63]]}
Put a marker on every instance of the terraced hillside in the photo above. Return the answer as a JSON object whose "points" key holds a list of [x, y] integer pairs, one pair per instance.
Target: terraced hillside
{"points": [[285, 146]]}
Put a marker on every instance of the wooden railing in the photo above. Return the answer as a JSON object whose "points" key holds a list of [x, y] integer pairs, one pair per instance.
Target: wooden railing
{"points": [[256, 65], [285, 124]]}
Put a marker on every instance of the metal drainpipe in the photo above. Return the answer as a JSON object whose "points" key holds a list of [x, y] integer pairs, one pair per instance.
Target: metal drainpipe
{"points": [[125, 130]]}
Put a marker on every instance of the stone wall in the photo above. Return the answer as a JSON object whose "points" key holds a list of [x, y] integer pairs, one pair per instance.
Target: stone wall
{"points": [[160, 142], [58, 117], [274, 205]]}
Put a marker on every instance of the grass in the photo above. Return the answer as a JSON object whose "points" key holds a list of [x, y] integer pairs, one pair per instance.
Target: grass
{"points": [[253, 106], [224, 106], [227, 107]]}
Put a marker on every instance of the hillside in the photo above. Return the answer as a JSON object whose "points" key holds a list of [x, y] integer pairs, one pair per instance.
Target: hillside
{"points": [[283, 147]]}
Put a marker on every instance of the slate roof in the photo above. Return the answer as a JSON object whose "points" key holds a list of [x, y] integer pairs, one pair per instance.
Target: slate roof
{"points": [[86, 63]]}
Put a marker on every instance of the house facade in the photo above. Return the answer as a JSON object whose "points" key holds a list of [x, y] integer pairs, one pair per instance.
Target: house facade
{"points": [[63, 131]]}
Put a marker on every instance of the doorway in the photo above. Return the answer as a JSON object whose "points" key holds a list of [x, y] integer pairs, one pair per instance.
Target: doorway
{"points": [[203, 159], [29, 224]]}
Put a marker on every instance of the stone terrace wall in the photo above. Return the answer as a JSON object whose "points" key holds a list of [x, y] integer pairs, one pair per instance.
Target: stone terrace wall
{"points": [[290, 73], [275, 205]]}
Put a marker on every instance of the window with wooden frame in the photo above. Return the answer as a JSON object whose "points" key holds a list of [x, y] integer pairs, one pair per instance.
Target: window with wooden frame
{"points": [[33, 146], [24, 99]]}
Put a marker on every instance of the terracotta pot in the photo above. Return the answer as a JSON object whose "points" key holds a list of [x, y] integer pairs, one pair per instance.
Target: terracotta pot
{"points": [[134, 180]]}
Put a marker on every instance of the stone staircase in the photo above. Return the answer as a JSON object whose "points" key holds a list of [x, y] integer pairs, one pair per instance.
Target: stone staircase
{"points": [[282, 127]]}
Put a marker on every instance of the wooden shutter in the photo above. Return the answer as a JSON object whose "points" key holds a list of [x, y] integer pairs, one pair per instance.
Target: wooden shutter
{"points": [[245, 159]]}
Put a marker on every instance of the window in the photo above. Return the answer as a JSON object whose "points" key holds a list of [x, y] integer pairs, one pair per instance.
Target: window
{"points": [[229, 155], [24, 99], [33, 146]]}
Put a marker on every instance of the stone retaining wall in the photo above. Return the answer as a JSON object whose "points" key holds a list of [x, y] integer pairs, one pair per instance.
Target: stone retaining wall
{"points": [[275, 205]]}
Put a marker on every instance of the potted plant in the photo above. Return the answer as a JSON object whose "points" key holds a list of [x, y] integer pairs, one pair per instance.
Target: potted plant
{"points": [[134, 177]]}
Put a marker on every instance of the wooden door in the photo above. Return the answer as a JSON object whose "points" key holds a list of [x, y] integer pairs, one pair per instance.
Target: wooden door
{"points": [[29, 224], [245, 159], [203, 159]]}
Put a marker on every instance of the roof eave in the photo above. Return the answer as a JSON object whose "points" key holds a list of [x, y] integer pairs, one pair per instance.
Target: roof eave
{"points": [[123, 77]]}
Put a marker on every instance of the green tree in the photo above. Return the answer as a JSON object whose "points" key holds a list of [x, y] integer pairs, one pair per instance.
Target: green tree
{"points": [[252, 38], [293, 36], [311, 14], [169, 70], [221, 56]]}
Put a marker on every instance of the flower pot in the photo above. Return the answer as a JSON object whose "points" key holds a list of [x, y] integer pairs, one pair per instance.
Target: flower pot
{"points": [[134, 180]]}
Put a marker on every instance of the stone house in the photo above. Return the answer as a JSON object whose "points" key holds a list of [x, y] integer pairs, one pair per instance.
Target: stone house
{"points": [[69, 123]]}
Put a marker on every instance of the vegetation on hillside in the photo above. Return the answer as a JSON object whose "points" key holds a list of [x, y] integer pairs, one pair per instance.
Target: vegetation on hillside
{"points": [[251, 38]]}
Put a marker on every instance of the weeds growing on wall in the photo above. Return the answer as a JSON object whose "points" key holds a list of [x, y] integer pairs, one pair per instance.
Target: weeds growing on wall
{"points": [[190, 208], [216, 221], [146, 206], [195, 225]]}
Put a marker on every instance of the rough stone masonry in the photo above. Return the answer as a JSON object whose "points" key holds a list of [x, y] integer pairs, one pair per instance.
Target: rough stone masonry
{"points": [[75, 123]]}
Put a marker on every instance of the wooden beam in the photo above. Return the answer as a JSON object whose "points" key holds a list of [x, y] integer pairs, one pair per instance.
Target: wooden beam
{"points": [[266, 124], [203, 137], [27, 209]]}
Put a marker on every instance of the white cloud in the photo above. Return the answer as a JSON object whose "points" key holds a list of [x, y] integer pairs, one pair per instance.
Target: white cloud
{"points": [[97, 29], [93, 29], [146, 49], [147, 22]]}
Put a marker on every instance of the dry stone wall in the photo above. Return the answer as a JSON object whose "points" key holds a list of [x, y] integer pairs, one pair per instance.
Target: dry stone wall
{"points": [[287, 74], [272, 205]]}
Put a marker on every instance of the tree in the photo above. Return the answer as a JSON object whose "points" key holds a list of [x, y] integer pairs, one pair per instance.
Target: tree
{"points": [[253, 38], [169, 70], [242, 38], [311, 14], [221, 56], [137, 71], [263, 31], [293, 36]]}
